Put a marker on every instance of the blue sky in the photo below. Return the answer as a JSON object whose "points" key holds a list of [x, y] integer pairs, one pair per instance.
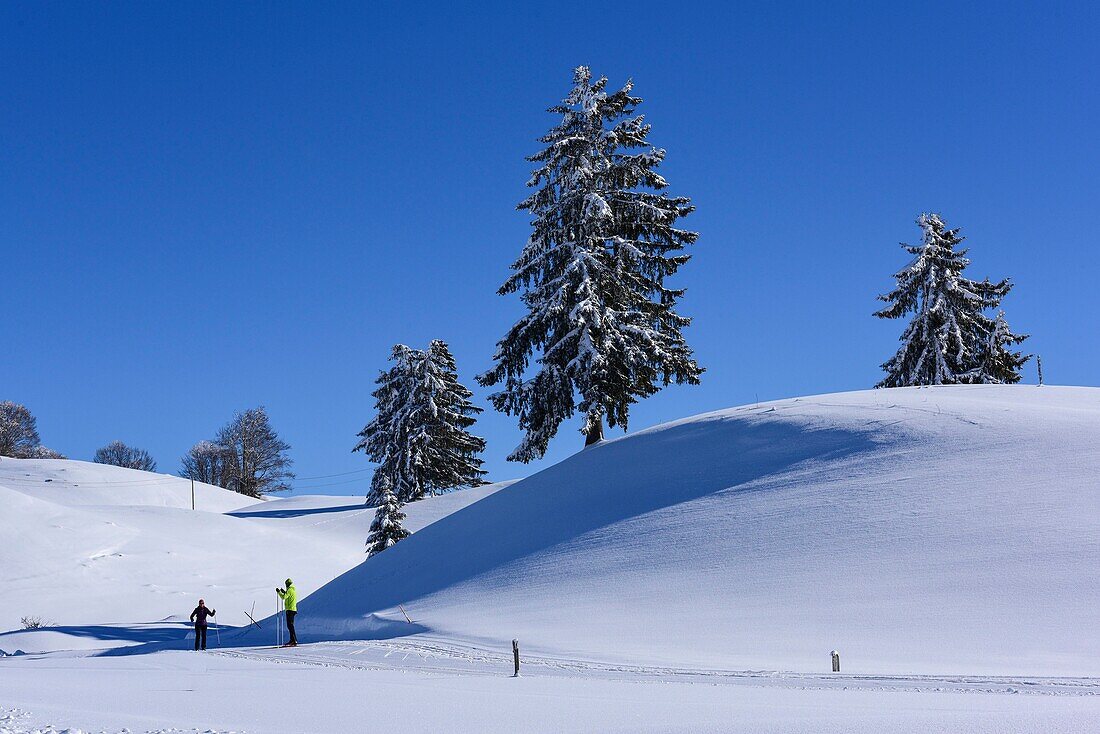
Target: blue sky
{"points": [[206, 207]]}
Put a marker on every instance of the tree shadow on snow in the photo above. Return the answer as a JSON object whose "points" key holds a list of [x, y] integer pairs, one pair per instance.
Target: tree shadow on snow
{"points": [[181, 636], [147, 633], [296, 512]]}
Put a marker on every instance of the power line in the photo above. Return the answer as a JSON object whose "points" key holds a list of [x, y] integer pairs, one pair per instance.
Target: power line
{"points": [[299, 483], [341, 474]]}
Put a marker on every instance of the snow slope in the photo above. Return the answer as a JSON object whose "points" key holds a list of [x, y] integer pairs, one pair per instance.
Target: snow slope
{"points": [[940, 530], [83, 546], [73, 483]]}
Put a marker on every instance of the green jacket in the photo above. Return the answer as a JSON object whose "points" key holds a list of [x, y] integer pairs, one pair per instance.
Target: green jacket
{"points": [[290, 597]]}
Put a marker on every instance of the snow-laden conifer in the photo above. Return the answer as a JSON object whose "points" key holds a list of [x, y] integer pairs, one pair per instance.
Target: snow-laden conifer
{"points": [[451, 452], [386, 529], [419, 436], [592, 275], [949, 331], [997, 362]]}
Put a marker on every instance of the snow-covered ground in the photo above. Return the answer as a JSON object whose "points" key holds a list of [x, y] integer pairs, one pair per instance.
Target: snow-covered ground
{"points": [[690, 577], [412, 690], [915, 530], [86, 545]]}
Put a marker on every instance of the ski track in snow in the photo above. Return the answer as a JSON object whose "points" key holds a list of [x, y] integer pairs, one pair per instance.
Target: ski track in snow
{"points": [[442, 658], [17, 721]]}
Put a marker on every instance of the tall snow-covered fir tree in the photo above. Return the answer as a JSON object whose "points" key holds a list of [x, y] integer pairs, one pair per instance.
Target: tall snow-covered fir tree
{"points": [[386, 529], [950, 331], [604, 238], [419, 436]]}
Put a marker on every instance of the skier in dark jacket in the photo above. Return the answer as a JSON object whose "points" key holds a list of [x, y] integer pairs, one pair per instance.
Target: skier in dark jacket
{"points": [[199, 618]]}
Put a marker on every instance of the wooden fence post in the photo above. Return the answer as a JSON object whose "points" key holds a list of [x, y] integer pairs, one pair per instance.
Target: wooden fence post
{"points": [[515, 654]]}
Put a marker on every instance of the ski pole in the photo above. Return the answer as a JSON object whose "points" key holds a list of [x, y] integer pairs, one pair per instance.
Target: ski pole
{"points": [[217, 629]]}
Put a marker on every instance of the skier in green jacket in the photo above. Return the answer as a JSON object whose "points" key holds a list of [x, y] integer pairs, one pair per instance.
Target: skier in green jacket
{"points": [[289, 595]]}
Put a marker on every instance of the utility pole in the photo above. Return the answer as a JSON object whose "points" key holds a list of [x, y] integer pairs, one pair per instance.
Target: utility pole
{"points": [[192, 493]]}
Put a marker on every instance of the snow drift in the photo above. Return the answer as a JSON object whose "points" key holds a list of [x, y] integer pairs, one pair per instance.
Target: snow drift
{"points": [[950, 529]]}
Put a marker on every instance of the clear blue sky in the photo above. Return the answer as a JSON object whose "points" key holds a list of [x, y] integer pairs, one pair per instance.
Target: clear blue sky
{"points": [[206, 207]]}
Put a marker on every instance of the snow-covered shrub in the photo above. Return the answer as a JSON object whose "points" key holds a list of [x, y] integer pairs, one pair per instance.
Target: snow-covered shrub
{"points": [[43, 452]]}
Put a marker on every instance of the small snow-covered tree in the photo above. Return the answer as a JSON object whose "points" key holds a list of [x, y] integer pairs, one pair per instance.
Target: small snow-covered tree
{"points": [[43, 452], [259, 463], [117, 453], [386, 529], [419, 436], [949, 328], [18, 430], [997, 362], [385, 438], [208, 462], [450, 452], [604, 239]]}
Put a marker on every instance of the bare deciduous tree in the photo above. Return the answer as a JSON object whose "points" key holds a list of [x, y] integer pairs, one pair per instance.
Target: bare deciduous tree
{"points": [[260, 463], [246, 456], [117, 453], [19, 434], [208, 462]]}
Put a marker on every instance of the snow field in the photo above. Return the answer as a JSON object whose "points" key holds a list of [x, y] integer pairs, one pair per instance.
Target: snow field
{"points": [[936, 530], [199, 692], [99, 545], [692, 577]]}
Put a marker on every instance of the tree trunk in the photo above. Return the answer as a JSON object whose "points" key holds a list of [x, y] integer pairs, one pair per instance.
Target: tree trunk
{"points": [[595, 435]]}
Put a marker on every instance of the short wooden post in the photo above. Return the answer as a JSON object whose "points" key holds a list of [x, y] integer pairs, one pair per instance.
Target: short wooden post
{"points": [[836, 661], [515, 655]]}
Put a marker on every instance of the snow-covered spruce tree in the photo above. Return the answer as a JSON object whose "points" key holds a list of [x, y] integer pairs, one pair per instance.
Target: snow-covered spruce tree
{"points": [[117, 453], [592, 275], [386, 529], [419, 436], [997, 362], [949, 328], [258, 461], [450, 452], [385, 437]]}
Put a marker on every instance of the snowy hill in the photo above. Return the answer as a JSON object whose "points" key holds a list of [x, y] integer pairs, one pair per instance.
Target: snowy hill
{"points": [[88, 544], [72, 483], [951, 529]]}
